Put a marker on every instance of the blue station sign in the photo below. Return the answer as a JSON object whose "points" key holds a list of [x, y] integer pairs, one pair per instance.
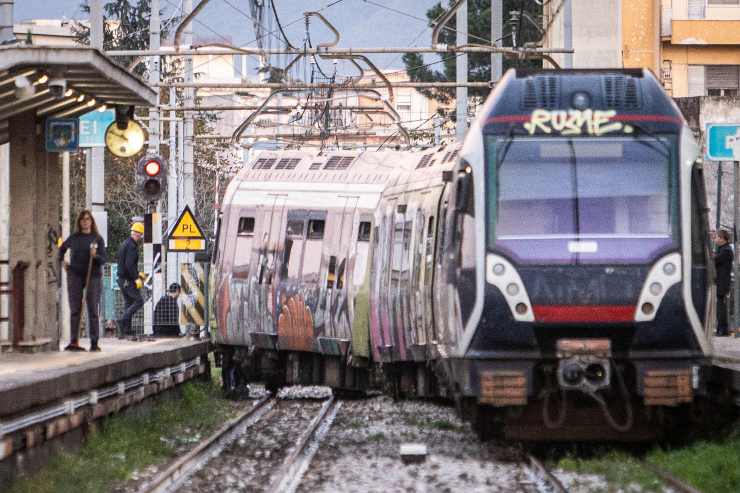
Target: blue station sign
{"points": [[721, 138], [92, 127]]}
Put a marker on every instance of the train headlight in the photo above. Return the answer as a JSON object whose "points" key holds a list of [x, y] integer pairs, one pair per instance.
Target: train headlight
{"points": [[512, 289], [647, 308], [581, 100], [669, 268], [521, 308], [656, 288], [499, 269]]}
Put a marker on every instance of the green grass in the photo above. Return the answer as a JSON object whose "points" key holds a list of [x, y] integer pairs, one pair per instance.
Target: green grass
{"points": [[376, 437], [710, 466], [132, 441]]}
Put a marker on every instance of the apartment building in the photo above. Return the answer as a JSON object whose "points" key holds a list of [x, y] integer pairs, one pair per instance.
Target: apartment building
{"points": [[692, 45], [700, 45]]}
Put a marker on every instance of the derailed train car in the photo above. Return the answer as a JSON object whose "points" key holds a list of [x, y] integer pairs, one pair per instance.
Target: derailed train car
{"points": [[553, 278], [292, 251]]}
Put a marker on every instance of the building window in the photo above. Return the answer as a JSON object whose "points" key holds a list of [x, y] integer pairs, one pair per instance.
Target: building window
{"points": [[722, 80], [722, 92], [723, 2], [696, 9]]}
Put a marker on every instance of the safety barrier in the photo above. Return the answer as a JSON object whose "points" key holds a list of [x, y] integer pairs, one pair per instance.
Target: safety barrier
{"points": [[194, 282]]}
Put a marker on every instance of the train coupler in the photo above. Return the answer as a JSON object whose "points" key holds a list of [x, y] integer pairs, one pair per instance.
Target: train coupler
{"points": [[584, 364]]}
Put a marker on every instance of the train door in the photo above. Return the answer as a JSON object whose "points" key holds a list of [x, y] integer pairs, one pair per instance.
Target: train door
{"points": [[428, 274], [441, 290], [271, 234], [418, 274], [385, 259], [342, 315], [399, 266], [243, 245], [295, 321], [311, 266], [377, 338]]}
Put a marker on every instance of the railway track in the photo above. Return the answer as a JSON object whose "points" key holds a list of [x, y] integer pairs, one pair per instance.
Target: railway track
{"points": [[669, 479], [539, 478], [172, 477], [242, 440]]}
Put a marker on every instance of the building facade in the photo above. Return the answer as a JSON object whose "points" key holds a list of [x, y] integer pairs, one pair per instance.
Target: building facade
{"points": [[692, 45]]}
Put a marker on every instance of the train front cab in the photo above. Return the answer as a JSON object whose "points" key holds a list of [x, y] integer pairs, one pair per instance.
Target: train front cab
{"points": [[592, 306]]}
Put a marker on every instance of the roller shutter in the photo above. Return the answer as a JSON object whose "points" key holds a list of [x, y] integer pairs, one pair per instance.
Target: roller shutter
{"points": [[721, 76], [696, 9]]}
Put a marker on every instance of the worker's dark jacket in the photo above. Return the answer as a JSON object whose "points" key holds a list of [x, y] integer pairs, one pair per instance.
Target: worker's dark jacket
{"points": [[128, 261], [723, 265], [79, 243]]}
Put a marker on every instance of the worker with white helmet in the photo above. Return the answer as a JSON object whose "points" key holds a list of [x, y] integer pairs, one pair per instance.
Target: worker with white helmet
{"points": [[130, 280]]}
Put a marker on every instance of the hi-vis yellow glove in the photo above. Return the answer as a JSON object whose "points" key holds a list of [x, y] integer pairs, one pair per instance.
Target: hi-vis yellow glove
{"points": [[142, 276], [139, 284]]}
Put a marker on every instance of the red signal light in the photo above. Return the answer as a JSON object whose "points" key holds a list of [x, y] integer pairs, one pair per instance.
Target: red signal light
{"points": [[152, 168]]}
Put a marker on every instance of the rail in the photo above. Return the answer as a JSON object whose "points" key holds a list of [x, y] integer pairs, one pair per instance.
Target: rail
{"points": [[172, 477], [295, 464], [544, 474], [669, 479]]}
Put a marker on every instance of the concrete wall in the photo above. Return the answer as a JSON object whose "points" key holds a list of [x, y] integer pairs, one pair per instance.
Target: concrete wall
{"points": [[35, 196], [596, 33]]}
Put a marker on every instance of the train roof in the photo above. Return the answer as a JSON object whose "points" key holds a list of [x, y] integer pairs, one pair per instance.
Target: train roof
{"points": [[345, 167], [629, 94], [365, 173]]}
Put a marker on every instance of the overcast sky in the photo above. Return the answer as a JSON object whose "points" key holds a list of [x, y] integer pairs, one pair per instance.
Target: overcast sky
{"points": [[360, 22]]}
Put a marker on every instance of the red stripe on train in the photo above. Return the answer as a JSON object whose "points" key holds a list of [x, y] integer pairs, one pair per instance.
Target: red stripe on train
{"points": [[584, 313]]}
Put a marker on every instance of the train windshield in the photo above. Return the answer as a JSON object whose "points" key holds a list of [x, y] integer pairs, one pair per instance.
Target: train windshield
{"points": [[582, 200]]}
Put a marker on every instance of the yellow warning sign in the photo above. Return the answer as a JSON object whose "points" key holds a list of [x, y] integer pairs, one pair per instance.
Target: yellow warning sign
{"points": [[187, 227], [186, 235], [187, 245]]}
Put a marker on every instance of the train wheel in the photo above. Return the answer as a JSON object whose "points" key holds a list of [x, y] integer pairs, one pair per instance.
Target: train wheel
{"points": [[484, 423]]}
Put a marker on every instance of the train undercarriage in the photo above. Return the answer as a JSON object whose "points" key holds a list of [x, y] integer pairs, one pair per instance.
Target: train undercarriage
{"points": [[529, 405]]}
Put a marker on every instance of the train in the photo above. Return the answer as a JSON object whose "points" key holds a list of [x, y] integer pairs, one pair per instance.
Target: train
{"points": [[550, 275]]}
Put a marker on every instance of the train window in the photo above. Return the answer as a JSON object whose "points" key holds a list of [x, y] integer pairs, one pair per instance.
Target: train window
{"points": [[246, 226], [430, 227], [331, 277], [364, 232], [340, 274], [294, 228], [316, 229]]}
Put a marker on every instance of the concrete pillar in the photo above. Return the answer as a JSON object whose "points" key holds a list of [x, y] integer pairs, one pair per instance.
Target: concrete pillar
{"points": [[497, 30], [461, 73], [4, 240], [22, 210], [96, 155], [35, 195]]}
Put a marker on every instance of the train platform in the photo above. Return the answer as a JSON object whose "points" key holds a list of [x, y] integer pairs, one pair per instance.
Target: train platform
{"points": [[45, 395]]}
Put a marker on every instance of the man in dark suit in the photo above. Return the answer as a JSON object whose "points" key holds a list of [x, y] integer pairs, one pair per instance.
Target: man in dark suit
{"points": [[723, 266]]}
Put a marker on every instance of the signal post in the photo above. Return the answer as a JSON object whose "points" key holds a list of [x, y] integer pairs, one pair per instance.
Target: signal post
{"points": [[151, 179]]}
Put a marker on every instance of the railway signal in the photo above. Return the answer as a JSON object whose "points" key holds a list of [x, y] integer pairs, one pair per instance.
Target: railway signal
{"points": [[151, 177]]}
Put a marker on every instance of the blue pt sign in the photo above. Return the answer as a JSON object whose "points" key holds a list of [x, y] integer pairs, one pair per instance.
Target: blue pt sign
{"points": [[721, 138]]}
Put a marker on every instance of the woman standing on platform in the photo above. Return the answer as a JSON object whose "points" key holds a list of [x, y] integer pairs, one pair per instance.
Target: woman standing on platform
{"points": [[84, 278]]}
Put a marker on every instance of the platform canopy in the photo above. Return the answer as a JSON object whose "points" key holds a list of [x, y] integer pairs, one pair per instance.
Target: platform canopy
{"points": [[93, 78]]}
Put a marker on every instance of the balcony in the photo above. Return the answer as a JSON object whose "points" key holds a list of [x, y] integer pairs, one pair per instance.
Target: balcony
{"points": [[705, 32]]}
